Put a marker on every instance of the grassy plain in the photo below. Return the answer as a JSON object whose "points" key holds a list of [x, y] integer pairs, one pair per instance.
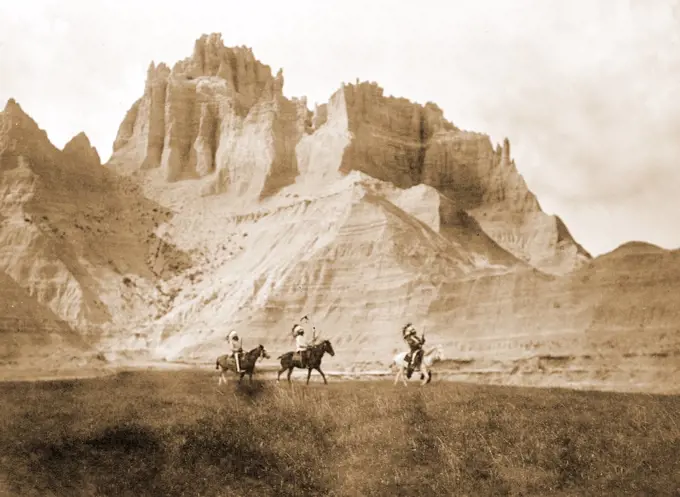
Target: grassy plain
{"points": [[175, 433]]}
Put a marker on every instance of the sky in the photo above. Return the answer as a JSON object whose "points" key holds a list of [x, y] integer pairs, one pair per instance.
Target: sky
{"points": [[587, 91]]}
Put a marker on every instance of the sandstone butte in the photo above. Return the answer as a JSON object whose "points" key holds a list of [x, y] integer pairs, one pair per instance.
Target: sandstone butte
{"points": [[226, 205]]}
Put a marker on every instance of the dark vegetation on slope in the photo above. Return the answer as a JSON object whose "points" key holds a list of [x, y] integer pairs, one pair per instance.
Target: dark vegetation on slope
{"points": [[175, 434]]}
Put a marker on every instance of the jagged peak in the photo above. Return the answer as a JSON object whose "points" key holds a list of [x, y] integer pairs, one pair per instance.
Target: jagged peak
{"points": [[11, 104], [78, 139], [506, 150], [80, 147], [211, 57], [364, 93], [374, 89], [154, 69], [564, 234], [14, 119], [209, 39], [13, 109], [236, 66]]}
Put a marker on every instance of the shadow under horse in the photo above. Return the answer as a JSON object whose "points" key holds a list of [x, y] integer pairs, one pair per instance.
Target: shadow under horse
{"points": [[246, 361], [313, 356]]}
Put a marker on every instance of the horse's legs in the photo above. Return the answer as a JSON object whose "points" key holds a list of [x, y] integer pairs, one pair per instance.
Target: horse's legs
{"points": [[241, 375], [290, 371], [402, 373], [322, 375], [424, 374], [309, 374]]}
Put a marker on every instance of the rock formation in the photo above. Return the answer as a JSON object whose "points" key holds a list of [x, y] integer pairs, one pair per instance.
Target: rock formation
{"points": [[80, 150], [227, 205], [219, 114], [71, 232], [29, 330], [407, 144]]}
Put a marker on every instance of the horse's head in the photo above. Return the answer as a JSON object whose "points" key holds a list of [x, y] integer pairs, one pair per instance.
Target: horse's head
{"points": [[437, 353], [262, 353], [327, 347]]}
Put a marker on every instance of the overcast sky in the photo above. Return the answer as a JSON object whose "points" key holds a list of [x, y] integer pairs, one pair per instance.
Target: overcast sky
{"points": [[587, 91]]}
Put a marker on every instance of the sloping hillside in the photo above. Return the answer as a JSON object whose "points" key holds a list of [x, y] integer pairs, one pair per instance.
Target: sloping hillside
{"points": [[78, 238], [353, 259], [29, 331], [611, 324], [634, 293]]}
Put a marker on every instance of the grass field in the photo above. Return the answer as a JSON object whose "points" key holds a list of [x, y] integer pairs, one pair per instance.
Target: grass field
{"points": [[178, 434]]}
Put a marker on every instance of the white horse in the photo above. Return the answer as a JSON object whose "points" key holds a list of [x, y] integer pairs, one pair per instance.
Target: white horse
{"points": [[430, 356]]}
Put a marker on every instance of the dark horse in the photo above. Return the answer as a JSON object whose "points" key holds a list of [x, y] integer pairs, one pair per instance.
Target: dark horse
{"points": [[246, 361], [314, 355]]}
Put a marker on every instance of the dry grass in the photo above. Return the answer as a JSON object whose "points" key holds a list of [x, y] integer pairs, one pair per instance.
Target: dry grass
{"points": [[176, 433]]}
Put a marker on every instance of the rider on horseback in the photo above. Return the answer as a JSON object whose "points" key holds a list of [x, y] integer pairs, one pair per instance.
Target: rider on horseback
{"points": [[301, 343], [236, 348], [414, 343]]}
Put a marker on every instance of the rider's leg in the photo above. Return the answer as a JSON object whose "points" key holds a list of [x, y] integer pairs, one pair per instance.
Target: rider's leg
{"points": [[238, 363]]}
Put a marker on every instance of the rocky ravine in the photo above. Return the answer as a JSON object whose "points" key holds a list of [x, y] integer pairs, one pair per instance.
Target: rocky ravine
{"points": [[229, 205]]}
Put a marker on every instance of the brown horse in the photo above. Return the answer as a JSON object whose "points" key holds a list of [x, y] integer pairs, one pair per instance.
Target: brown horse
{"points": [[246, 361], [314, 355]]}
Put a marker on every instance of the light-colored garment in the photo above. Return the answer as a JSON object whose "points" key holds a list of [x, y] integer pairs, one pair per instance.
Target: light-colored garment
{"points": [[301, 343], [238, 362], [235, 344]]}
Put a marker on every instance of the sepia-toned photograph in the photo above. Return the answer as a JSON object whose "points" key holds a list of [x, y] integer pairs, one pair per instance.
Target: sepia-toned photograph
{"points": [[345, 249]]}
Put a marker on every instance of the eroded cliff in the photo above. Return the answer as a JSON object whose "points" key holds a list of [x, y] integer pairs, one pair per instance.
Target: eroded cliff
{"points": [[219, 114], [406, 144], [226, 205]]}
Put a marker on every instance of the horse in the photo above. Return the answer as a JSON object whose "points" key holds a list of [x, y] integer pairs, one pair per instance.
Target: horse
{"points": [[430, 357], [247, 363], [314, 355]]}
